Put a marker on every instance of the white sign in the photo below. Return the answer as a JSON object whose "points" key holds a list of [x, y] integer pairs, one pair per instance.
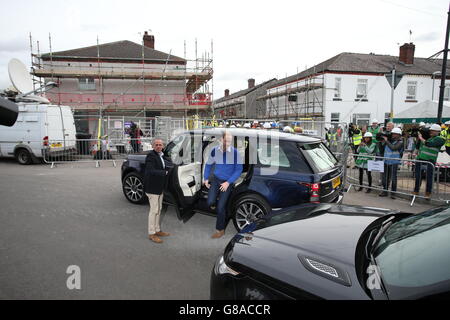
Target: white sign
{"points": [[377, 166]]}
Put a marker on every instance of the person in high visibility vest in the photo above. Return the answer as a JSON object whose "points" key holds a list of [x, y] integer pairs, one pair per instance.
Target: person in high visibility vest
{"points": [[366, 151], [393, 153], [446, 135], [374, 129], [429, 151], [357, 139]]}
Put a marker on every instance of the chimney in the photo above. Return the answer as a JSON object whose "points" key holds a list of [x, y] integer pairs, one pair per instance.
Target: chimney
{"points": [[227, 92], [149, 40], [407, 53], [251, 83]]}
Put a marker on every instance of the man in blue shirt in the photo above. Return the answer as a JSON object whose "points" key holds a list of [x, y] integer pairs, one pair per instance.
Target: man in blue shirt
{"points": [[227, 169]]}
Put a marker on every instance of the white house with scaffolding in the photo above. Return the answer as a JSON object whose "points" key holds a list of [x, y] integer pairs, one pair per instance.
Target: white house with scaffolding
{"points": [[352, 87]]}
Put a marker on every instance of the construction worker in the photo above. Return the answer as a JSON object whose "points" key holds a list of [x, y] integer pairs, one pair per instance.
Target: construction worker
{"points": [[374, 129], [428, 151], [445, 133], [357, 139]]}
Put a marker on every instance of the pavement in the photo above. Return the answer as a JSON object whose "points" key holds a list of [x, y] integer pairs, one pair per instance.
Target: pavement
{"points": [[51, 219]]}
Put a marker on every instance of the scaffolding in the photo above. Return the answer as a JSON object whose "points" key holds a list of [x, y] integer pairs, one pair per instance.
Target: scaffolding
{"points": [[157, 86], [298, 97]]}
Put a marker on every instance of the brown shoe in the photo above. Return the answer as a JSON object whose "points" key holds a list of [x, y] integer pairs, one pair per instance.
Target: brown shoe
{"points": [[218, 234], [415, 193], [428, 195], [155, 238], [162, 234]]}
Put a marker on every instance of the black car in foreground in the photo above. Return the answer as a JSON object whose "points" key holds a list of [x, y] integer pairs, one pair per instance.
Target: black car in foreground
{"points": [[338, 252]]}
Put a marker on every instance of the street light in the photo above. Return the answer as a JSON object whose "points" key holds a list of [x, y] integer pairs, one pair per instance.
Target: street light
{"points": [[434, 76]]}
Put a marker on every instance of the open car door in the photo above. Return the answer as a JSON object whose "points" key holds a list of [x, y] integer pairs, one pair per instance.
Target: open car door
{"points": [[186, 178]]}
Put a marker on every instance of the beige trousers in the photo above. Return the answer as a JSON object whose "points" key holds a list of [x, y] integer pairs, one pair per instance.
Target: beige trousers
{"points": [[154, 214]]}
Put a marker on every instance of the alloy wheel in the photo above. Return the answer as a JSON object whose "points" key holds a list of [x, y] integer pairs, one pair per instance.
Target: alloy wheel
{"points": [[134, 189]]}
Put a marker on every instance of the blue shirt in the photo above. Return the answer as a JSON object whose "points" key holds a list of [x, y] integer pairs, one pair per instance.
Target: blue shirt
{"points": [[228, 165]]}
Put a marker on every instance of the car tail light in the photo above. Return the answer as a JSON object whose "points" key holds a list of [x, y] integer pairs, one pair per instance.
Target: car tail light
{"points": [[45, 141], [315, 193], [314, 190]]}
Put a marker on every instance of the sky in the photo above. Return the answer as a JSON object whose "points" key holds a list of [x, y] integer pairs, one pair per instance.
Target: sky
{"points": [[252, 39]]}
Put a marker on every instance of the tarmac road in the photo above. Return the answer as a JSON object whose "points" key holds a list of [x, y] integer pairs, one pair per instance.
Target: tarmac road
{"points": [[54, 218]]}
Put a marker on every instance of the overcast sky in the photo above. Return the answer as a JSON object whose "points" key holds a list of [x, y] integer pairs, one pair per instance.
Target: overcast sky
{"points": [[259, 39]]}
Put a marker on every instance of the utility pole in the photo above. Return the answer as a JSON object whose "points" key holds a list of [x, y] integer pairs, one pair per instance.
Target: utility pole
{"points": [[391, 114], [444, 71]]}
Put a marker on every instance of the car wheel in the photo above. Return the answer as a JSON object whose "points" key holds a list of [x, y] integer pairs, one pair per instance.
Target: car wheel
{"points": [[247, 209], [133, 188], [23, 156]]}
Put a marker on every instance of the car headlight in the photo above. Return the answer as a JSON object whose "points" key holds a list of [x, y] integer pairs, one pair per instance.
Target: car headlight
{"points": [[222, 268]]}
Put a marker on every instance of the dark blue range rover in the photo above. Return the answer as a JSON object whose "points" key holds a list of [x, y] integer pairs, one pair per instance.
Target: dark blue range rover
{"points": [[280, 170]]}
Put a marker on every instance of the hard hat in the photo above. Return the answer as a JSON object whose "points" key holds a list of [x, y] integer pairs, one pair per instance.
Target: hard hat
{"points": [[422, 124], [368, 135], [435, 127], [375, 121], [267, 125], [447, 123], [397, 131], [287, 129], [255, 122]]}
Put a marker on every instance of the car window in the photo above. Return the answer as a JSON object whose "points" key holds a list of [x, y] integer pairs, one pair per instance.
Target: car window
{"points": [[272, 155], [318, 156], [175, 149], [415, 251]]}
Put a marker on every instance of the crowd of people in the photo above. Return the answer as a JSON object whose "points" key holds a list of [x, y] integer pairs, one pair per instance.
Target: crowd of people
{"points": [[389, 143]]}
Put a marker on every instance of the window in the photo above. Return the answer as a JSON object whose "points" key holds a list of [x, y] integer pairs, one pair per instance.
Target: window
{"points": [[447, 93], [361, 119], [272, 155], [335, 117], [361, 89], [411, 90], [413, 255], [337, 92], [86, 84], [319, 156]]}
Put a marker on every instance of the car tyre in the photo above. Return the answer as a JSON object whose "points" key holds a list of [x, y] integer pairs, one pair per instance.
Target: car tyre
{"points": [[23, 156], [248, 209], [133, 188]]}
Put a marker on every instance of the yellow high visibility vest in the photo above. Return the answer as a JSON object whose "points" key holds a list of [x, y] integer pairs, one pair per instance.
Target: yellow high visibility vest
{"points": [[357, 139]]}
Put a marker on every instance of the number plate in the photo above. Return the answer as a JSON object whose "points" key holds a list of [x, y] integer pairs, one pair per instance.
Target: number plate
{"points": [[56, 145], [336, 182]]}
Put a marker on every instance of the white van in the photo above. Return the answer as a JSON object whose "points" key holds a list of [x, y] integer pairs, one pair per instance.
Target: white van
{"points": [[41, 131]]}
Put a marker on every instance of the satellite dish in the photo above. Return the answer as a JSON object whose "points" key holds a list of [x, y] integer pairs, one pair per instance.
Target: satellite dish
{"points": [[19, 76]]}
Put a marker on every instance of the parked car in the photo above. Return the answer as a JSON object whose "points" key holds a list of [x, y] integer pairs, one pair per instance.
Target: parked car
{"points": [[327, 251], [304, 171], [41, 130]]}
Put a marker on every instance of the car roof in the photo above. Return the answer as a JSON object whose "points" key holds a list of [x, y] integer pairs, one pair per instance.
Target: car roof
{"points": [[258, 133]]}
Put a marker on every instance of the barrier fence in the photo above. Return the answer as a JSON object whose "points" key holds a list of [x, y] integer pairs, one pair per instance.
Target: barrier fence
{"points": [[404, 174], [93, 150]]}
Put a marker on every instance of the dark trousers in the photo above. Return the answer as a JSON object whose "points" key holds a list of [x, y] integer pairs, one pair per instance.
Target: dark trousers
{"points": [[361, 176], [447, 149], [221, 207], [390, 175], [429, 167]]}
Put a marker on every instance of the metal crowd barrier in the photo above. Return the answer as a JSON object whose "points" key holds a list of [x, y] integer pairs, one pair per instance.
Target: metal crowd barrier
{"points": [[405, 178], [93, 150]]}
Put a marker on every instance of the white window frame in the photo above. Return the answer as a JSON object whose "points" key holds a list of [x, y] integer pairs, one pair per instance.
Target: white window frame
{"points": [[87, 84], [335, 119], [338, 87], [365, 83], [411, 84], [447, 92]]}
